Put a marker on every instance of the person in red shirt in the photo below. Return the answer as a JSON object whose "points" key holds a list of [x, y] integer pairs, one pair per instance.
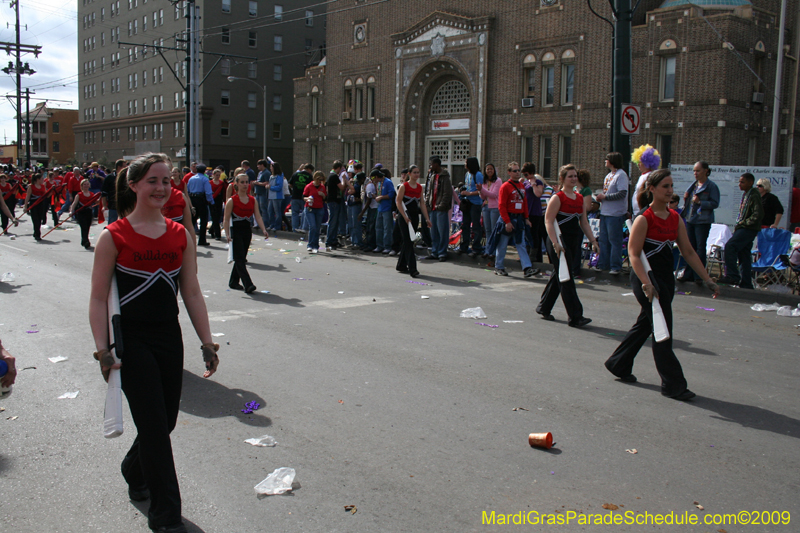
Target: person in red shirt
{"points": [[653, 233], [565, 208], [218, 192], [147, 258], [81, 209], [238, 210], [7, 190], [513, 217], [315, 194], [36, 204], [189, 174]]}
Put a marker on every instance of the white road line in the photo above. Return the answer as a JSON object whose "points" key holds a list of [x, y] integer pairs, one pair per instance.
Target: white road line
{"points": [[440, 293], [13, 248]]}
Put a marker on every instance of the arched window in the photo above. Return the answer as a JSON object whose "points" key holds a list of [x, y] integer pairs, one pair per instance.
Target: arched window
{"points": [[529, 75], [452, 98]]}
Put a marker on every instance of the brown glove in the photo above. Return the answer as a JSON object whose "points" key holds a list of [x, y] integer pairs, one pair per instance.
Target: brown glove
{"points": [[210, 357], [106, 362]]}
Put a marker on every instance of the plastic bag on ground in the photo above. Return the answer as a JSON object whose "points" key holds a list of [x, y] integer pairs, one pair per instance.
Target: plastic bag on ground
{"points": [[277, 482], [473, 312], [264, 440], [787, 310], [765, 307], [8, 277]]}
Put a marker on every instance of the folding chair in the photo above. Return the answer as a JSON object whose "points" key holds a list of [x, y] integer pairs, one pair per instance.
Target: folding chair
{"points": [[773, 262], [715, 247]]}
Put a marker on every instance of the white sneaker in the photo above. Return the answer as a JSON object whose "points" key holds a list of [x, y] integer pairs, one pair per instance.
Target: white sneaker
{"points": [[614, 272], [313, 251], [308, 248], [392, 253]]}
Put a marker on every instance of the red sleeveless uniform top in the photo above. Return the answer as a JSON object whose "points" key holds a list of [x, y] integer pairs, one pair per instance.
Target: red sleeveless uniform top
{"points": [[5, 190], [147, 271], [661, 235], [37, 192], [85, 199], [569, 214], [218, 189], [174, 207], [241, 210], [181, 186], [413, 193]]}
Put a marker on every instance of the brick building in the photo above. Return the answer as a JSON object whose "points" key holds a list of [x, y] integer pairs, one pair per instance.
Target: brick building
{"points": [[52, 139], [531, 81], [132, 100]]}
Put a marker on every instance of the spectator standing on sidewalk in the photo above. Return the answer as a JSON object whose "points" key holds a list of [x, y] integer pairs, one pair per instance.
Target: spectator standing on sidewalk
{"points": [[335, 189], [297, 183], [471, 208], [514, 216], [699, 202], [439, 200], [613, 212], [748, 224]]}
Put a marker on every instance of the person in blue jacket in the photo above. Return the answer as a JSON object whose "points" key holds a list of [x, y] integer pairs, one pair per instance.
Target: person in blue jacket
{"points": [[275, 196], [699, 202]]}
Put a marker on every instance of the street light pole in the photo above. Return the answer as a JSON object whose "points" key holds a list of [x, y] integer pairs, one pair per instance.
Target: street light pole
{"points": [[264, 92]]}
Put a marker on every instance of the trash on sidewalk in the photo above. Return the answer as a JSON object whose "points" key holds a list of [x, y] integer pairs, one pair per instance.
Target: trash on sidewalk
{"points": [[249, 407], [278, 482], [705, 308], [69, 395], [766, 307], [298, 260], [520, 409], [217, 334], [541, 440], [8, 277], [627, 294], [57, 359], [425, 297], [633, 451], [788, 310], [488, 325], [263, 441], [352, 508], [513, 321], [473, 312]]}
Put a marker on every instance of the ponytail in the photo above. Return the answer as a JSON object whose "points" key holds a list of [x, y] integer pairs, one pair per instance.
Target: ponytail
{"points": [[644, 197]]}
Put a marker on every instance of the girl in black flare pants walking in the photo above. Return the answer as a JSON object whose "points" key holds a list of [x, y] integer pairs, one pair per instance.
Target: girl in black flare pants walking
{"points": [[654, 232], [148, 255], [565, 208], [410, 195], [238, 210]]}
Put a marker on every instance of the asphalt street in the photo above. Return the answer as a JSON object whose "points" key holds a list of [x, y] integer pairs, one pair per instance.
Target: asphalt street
{"points": [[386, 400]]}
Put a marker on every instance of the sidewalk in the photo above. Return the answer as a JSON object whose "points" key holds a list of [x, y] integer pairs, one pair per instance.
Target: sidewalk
{"points": [[621, 280]]}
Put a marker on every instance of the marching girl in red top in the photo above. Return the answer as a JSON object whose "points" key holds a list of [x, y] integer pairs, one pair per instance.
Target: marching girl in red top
{"points": [[218, 192], [565, 208], [9, 201], [148, 255], [410, 194], [238, 210], [178, 206], [654, 233], [38, 211], [82, 211]]}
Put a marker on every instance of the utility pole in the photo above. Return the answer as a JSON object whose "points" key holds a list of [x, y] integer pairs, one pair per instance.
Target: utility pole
{"points": [[776, 104], [15, 5], [623, 90], [27, 127]]}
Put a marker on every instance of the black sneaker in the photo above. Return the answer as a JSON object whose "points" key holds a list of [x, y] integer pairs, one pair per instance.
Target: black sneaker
{"points": [[139, 494], [727, 280], [500, 272], [237, 287], [530, 271], [250, 289], [684, 396], [582, 321]]}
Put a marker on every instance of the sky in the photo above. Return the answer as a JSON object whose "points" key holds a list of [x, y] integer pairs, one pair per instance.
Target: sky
{"points": [[53, 25]]}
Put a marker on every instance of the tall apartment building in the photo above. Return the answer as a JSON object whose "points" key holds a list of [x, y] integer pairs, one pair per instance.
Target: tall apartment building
{"points": [[531, 81], [132, 100]]}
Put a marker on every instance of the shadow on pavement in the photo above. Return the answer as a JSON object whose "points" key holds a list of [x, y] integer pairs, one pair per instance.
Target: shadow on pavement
{"points": [[748, 416], [271, 268], [207, 398], [7, 288], [677, 344], [144, 507], [274, 299]]}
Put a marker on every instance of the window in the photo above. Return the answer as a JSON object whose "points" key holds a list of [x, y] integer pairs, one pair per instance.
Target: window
{"points": [[278, 12], [253, 9], [309, 18], [309, 44], [225, 128], [277, 73], [102, 38], [225, 67], [359, 103], [530, 82], [144, 23], [226, 36], [252, 70], [136, 80], [155, 103], [56, 146], [251, 130], [369, 154], [155, 18], [160, 74], [177, 100], [276, 102], [276, 131], [252, 98], [252, 39], [144, 105], [102, 14], [226, 6], [451, 98], [348, 99], [278, 43], [370, 102], [564, 150], [664, 146], [667, 84], [183, 98], [130, 81], [161, 103], [130, 28], [144, 132], [176, 130], [136, 27], [225, 98], [548, 88], [315, 110], [545, 155], [144, 78], [567, 84], [160, 17], [136, 107], [56, 127]]}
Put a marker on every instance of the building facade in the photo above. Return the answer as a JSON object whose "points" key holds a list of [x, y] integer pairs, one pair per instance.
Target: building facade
{"points": [[532, 81], [132, 79], [52, 139]]}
